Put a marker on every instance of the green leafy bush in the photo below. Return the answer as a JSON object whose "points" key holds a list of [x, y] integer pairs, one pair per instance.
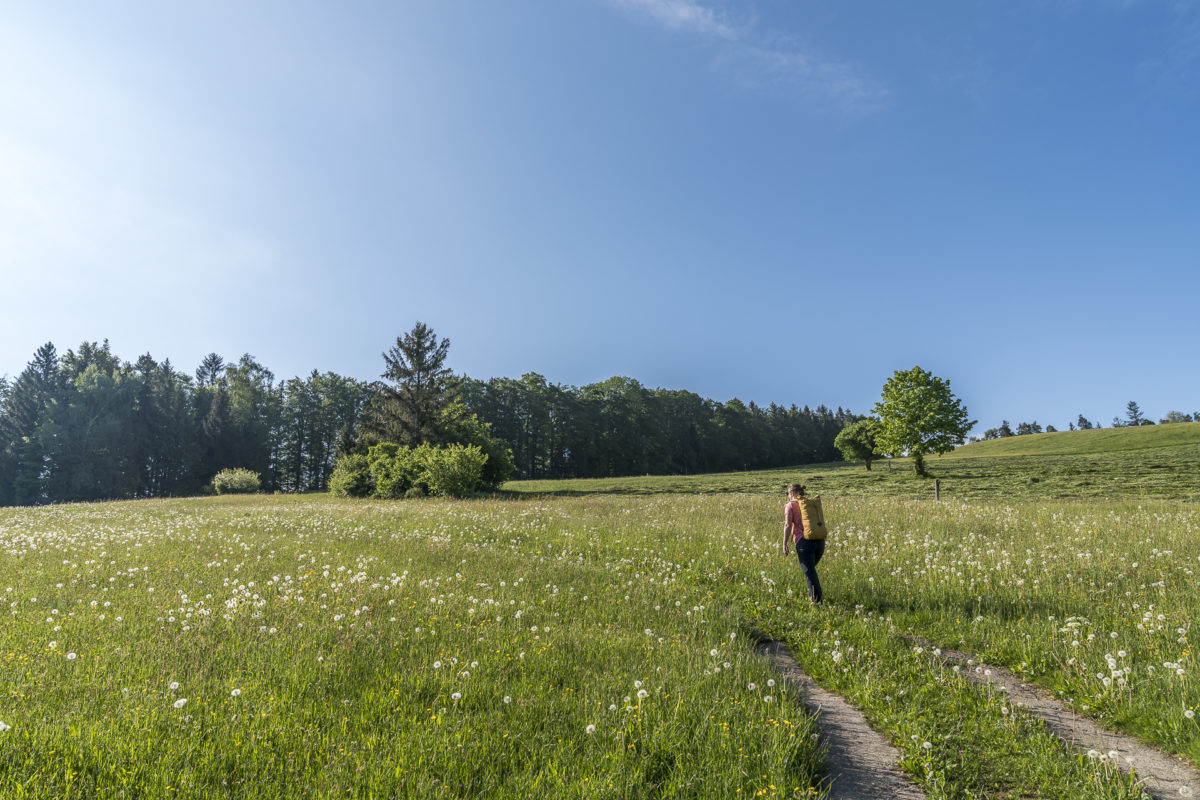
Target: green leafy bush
{"points": [[352, 477], [454, 470], [236, 481], [466, 428], [394, 469], [392, 472]]}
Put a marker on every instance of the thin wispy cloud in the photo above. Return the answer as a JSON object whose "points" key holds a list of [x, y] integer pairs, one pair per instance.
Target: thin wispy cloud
{"points": [[682, 15], [757, 57]]}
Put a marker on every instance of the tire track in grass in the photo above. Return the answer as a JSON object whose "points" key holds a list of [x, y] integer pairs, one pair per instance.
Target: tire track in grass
{"points": [[1158, 773], [862, 764]]}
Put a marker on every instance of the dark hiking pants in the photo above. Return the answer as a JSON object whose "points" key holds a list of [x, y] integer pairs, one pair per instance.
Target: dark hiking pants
{"points": [[809, 551]]}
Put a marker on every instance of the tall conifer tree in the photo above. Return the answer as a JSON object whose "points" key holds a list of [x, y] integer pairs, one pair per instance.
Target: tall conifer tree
{"points": [[27, 399], [409, 409]]}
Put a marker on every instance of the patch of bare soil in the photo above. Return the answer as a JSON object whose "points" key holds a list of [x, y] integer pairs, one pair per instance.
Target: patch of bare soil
{"points": [[1158, 773], [861, 762]]}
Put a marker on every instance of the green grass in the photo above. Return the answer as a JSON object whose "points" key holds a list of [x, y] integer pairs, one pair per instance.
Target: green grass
{"points": [[329, 648], [1090, 442], [1152, 462], [347, 629]]}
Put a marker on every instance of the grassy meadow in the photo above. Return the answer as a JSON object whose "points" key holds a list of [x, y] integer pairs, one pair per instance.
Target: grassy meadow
{"points": [[597, 638], [1154, 462]]}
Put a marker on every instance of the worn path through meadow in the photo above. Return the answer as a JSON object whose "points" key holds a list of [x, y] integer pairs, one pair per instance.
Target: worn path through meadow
{"points": [[1160, 774], [861, 762]]}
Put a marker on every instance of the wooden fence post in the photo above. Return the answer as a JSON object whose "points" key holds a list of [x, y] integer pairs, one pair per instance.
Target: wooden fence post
{"points": [[937, 489]]}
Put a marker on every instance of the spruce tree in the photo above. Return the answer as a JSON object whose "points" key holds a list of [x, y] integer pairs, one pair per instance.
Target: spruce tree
{"points": [[210, 371], [1134, 414], [408, 409], [24, 405]]}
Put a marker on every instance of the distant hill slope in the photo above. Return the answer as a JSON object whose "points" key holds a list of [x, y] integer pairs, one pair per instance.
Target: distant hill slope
{"points": [[1156, 461], [1103, 440]]}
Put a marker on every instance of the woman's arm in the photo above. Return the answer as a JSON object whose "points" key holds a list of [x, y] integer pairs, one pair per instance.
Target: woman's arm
{"points": [[787, 528]]}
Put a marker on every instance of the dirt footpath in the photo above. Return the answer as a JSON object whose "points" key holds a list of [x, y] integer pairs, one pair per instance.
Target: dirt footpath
{"points": [[1159, 774], [862, 763]]}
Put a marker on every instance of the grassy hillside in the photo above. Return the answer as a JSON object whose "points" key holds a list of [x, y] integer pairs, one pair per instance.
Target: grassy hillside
{"points": [[1103, 440], [1154, 462]]}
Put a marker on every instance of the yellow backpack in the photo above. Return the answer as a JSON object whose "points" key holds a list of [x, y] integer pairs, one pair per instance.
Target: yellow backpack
{"points": [[813, 517]]}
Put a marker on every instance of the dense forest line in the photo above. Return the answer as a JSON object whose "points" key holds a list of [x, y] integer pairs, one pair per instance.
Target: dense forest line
{"points": [[86, 425], [620, 427]]}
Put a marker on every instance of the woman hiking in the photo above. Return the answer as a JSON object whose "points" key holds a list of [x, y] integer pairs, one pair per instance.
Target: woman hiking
{"points": [[809, 551]]}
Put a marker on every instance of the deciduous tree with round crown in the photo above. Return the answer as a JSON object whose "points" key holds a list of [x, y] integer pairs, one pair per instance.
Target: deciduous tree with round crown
{"points": [[918, 415]]}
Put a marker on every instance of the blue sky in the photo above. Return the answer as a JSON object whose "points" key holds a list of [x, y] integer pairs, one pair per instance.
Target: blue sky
{"points": [[767, 199]]}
